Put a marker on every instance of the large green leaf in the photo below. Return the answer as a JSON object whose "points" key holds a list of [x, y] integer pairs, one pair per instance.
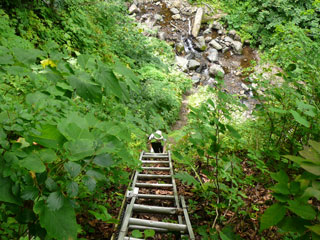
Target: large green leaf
{"points": [[302, 209], [6, 194], [72, 131], [272, 216], [6, 59], [55, 201], [293, 224], [315, 228], [60, 224], [233, 132], [187, 178], [300, 119], [103, 160], [312, 168], [79, 149], [33, 163], [72, 189], [72, 168], [49, 137], [86, 89], [47, 155], [27, 56], [109, 81], [310, 155]]}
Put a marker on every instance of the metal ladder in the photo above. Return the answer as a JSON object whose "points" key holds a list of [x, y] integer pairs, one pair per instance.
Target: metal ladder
{"points": [[153, 162]]}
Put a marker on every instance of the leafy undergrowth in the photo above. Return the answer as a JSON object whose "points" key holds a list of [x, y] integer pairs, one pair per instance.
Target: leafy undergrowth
{"points": [[79, 91]]}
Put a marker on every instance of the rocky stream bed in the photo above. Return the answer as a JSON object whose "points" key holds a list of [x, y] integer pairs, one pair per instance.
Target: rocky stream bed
{"points": [[204, 48]]}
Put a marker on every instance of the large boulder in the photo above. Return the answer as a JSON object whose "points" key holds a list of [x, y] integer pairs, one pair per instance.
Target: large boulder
{"points": [[197, 22], [215, 69], [213, 55]]}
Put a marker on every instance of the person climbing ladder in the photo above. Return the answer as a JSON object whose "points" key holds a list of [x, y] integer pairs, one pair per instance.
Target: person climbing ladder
{"points": [[157, 142]]}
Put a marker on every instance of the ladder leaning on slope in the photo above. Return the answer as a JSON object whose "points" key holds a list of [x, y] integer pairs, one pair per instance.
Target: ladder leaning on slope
{"points": [[153, 162]]}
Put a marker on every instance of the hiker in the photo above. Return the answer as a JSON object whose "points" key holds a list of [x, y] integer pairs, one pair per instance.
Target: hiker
{"points": [[157, 142]]}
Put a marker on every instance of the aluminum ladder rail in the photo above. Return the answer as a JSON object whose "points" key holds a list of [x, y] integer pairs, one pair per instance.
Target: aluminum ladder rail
{"points": [[183, 226]]}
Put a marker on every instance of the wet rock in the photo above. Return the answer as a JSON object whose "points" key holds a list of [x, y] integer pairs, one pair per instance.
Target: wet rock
{"points": [[182, 63], [237, 47], [134, 9], [213, 55], [174, 11], [215, 44], [215, 69], [201, 43], [176, 17], [162, 35], [197, 22], [193, 64]]}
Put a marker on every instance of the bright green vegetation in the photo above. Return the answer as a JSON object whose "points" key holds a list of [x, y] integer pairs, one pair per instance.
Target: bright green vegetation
{"points": [[280, 144], [80, 88]]}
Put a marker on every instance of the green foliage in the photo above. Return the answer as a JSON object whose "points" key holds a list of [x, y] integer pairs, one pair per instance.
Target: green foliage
{"points": [[258, 20], [72, 118]]}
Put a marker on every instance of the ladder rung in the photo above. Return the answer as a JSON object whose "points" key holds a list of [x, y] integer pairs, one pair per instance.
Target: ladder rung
{"points": [[155, 196], [145, 228], [155, 209], [153, 176], [155, 156], [153, 185], [131, 238], [156, 168], [154, 162], [157, 224]]}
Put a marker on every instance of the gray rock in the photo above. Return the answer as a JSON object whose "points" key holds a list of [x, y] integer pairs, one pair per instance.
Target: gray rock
{"points": [[197, 22], [213, 55], [208, 39], [216, 25], [207, 31], [162, 35], [176, 17], [133, 9], [220, 32], [182, 63], [232, 33], [174, 11], [237, 47], [158, 17], [196, 78], [211, 82], [215, 68], [177, 4], [228, 39], [201, 43], [215, 44], [193, 64], [245, 87]]}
